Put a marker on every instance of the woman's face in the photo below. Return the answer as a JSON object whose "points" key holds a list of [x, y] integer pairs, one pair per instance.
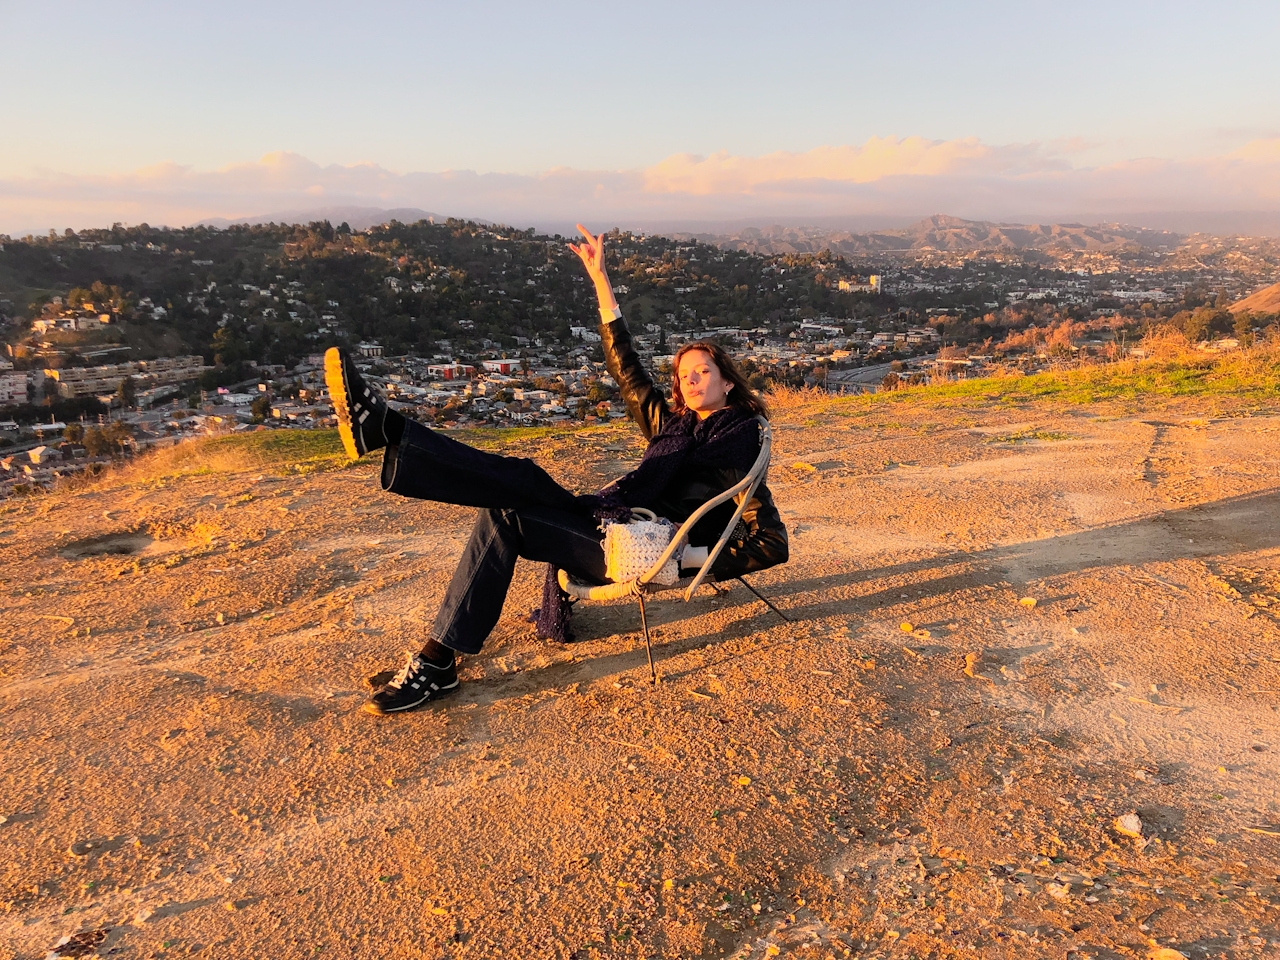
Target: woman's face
{"points": [[704, 389]]}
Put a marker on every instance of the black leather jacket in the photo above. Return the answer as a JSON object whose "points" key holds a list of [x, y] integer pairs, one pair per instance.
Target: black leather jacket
{"points": [[760, 540]]}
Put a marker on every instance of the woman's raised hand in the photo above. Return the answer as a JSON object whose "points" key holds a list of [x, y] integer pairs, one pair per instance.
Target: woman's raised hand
{"points": [[591, 253]]}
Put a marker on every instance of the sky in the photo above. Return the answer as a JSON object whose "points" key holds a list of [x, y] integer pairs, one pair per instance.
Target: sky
{"points": [[176, 112]]}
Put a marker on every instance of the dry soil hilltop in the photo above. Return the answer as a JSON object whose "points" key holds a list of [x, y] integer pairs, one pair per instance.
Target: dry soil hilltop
{"points": [[1266, 300], [920, 763]]}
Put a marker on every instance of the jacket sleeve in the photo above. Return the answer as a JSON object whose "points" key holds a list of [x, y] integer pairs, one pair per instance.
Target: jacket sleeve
{"points": [[645, 401], [759, 542]]}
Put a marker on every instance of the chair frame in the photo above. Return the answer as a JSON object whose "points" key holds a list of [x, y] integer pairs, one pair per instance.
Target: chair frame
{"points": [[638, 587]]}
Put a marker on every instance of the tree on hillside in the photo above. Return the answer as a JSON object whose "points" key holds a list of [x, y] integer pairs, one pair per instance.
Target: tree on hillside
{"points": [[95, 443], [128, 393], [261, 408], [1243, 327]]}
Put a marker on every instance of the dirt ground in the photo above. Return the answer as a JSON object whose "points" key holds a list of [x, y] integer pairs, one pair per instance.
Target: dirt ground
{"points": [[919, 762]]}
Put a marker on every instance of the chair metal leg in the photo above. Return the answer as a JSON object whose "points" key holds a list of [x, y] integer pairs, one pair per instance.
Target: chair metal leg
{"points": [[765, 599], [648, 648]]}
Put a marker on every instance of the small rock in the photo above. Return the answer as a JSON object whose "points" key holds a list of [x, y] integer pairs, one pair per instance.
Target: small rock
{"points": [[81, 848], [971, 661], [1166, 953], [80, 945], [1129, 825], [1059, 891], [906, 627], [221, 619], [1028, 602]]}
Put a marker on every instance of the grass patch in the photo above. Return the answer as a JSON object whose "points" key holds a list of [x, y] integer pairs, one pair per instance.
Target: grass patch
{"points": [[520, 441], [302, 452], [277, 448], [1026, 436], [1243, 375], [498, 438], [1178, 371], [281, 452]]}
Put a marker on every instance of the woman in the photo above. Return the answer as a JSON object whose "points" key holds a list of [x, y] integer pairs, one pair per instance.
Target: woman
{"points": [[700, 444]]}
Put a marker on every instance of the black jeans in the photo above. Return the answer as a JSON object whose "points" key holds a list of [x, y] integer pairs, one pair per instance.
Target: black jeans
{"points": [[523, 513]]}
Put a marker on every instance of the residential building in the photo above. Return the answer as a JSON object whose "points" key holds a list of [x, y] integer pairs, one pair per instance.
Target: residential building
{"points": [[13, 389], [451, 371], [95, 381]]}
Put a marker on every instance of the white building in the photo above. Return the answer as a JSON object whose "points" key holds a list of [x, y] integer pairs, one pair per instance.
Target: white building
{"points": [[13, 388]]}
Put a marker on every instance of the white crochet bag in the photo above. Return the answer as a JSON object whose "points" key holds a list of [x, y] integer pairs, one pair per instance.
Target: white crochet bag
{"points": [[630, 549]]}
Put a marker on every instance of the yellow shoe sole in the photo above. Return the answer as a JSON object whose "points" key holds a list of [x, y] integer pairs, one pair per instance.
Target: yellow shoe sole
{"points": [[338, 394]]}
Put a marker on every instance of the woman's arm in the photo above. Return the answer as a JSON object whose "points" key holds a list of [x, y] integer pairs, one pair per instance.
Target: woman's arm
{"points": [[591, 254], [645, 401]]}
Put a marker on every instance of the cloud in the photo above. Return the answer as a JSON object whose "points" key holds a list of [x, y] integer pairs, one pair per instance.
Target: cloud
{"points": [[883, 176], [878, 159]]}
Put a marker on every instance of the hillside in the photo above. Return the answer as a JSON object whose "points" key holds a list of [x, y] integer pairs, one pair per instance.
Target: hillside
{"points": [[951, 234], [919, 762], [358, 218], [1266, 300]]}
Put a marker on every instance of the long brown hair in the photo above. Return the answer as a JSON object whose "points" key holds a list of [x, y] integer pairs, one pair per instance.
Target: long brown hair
{"points": [[740, 396]]}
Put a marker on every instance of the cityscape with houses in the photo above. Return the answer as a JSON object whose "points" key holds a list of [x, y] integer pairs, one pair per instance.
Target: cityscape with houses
{"points": [[120, 340]]}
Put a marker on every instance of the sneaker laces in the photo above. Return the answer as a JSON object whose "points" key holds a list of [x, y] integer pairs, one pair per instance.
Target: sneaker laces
{"points": [[412, 665]]}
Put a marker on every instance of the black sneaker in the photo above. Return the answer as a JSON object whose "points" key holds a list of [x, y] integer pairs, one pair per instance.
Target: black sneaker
{"points": [[361, 412], [419, 681]]}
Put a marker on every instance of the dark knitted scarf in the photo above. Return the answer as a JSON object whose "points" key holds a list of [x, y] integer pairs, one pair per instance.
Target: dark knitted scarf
{"points": [[727, 438]]}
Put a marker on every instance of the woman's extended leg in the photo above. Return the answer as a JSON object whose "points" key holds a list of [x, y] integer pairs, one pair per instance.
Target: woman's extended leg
{"points": [[424, 464], [473, 602], [427, 465]]}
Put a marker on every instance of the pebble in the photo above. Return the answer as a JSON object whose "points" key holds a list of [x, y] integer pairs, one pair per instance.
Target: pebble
{"points": [[1129, 825], [1028, 602]]}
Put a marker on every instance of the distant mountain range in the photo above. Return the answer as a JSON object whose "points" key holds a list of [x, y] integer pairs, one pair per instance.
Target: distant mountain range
{"points": [[944, 234], [939, 233], [358, 218]]}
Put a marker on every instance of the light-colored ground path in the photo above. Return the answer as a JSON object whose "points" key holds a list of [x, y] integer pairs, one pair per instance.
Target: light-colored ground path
{"points": [[186, 769]]}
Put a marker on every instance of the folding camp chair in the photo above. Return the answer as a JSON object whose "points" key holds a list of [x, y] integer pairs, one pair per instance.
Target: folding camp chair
{"points": [[742, 491]]}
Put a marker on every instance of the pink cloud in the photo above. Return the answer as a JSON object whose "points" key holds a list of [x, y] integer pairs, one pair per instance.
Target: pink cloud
{"points": [[884, 175]]}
